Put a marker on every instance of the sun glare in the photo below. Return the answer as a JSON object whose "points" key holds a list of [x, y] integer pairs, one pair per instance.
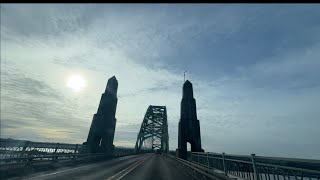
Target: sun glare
{"points": [[76, 83]]}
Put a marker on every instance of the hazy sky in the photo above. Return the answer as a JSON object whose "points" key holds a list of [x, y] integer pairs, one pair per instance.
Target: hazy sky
{"points": [[255, 71]]}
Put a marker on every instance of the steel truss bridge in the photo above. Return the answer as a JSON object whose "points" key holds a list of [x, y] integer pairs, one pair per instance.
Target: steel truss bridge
{"points": [[153, 133], [13, 151], [141, 161], [200, 165]]}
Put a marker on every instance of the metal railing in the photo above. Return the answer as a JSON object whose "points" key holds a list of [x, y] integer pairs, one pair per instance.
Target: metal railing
{"points": [[10, 148], [19, 151], [258, 167], [198, 171]]}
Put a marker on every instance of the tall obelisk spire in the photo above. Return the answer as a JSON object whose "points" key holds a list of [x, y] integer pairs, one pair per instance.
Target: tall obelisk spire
{"points": [[101, 134], [189, 126]]}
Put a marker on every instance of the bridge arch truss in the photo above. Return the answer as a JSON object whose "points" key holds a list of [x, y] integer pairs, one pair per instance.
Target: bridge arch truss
{"points": [[153, 133]]}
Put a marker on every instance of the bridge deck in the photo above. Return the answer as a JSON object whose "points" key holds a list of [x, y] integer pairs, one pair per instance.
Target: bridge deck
{"points": [[140, 167]]}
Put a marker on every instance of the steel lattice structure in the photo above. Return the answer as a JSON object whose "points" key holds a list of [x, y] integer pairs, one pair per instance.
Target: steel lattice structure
{"points": [[11, 148], [153, 133], [19, 150]]}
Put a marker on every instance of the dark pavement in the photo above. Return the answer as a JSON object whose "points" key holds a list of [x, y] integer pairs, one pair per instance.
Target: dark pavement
{"points": [[135, 167], [158, 167]]}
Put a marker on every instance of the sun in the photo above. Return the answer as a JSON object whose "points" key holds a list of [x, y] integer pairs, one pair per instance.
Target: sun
{"points": [[76, 82]]}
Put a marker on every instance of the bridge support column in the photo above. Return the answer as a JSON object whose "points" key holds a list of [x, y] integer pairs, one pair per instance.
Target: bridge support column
{"points": [[189, 125], [101, 134]]}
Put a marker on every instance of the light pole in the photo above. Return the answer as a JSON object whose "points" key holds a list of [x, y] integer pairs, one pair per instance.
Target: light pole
{"points": [[184, 76]]}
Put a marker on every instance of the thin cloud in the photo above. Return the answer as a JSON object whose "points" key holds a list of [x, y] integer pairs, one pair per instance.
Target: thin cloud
{"points": [[253, 70]]}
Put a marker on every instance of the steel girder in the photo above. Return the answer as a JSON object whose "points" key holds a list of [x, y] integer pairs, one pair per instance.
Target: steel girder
{"points": [[153, 133], [11, 148]]}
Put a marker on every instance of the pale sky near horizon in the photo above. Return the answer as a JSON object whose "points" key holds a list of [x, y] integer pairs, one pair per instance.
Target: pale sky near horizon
{"points": [[255, 70]]}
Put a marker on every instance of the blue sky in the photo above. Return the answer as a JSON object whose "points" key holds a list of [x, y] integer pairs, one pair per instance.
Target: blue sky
{"points": [[255, 70]]}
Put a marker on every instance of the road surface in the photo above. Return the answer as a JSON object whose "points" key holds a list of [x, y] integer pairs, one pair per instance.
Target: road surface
{"points": [[135, 167]]}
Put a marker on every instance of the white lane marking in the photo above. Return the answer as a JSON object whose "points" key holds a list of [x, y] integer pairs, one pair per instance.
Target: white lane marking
{"points": [[69, 170], [128, 169], [131, 169], [62, 171], [133, 164]]}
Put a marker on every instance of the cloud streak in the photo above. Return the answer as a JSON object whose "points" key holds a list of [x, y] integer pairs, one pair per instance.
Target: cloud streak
{"points": [[254, 71]]}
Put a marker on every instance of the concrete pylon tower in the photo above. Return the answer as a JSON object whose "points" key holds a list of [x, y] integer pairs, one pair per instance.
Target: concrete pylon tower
{"points": [[101, 134], [189, 126]]}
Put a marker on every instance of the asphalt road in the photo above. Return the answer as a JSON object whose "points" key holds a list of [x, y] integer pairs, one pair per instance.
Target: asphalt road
{"points": [[135, 167]]}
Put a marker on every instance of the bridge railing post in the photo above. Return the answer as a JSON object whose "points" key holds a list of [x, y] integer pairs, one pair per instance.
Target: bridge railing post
{"points": [[255, 170], [55, 152], [75, 151], [224, 164], [208, 161], [198, 158], [25, 146]]}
